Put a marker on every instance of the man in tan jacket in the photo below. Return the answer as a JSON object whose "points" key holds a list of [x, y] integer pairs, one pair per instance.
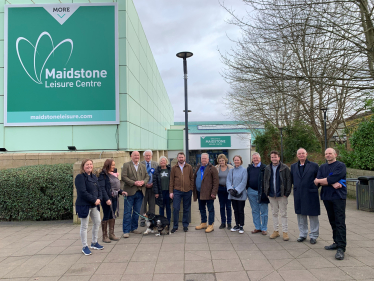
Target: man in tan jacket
{"points": [[134, 176], [181, 185]]}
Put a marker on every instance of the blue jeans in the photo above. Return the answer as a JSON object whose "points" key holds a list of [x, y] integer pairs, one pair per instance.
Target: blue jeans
{"points": [[259, 210], [224, 206], [132, 204], [166, 200], [210, 205], [178, 196]]}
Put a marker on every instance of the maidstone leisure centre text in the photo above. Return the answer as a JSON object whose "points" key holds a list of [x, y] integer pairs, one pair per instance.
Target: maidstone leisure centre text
{"points": [[73, 74]]}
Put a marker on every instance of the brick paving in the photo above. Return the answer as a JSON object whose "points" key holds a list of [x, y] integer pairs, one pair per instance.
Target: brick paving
{"points": [[52, 251]]}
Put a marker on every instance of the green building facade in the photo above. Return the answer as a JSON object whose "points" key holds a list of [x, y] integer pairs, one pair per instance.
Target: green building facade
{"points": [[144, 106]]}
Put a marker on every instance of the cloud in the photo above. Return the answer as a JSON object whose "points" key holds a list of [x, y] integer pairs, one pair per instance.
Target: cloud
{"points": [[199, 27]]}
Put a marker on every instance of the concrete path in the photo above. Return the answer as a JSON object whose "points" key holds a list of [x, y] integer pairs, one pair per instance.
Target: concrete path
{"points": [[52, 251]]}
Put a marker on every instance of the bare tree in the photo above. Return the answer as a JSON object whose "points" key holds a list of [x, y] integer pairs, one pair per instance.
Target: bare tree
{"points": [[286, 67]]}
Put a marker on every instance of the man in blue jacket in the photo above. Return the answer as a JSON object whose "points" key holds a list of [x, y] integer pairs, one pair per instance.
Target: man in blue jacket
{"points": [[257, 198], [305, 194], [332, 177]]}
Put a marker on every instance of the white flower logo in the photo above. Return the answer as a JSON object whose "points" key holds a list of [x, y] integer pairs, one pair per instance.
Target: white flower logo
{"points": [[38, 79]]}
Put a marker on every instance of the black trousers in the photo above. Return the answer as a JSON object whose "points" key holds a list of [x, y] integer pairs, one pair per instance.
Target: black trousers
{"points": [[108, 211], [336, 214], [238, 207]]}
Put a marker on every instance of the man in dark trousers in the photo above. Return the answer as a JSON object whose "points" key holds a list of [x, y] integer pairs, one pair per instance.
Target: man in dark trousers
{"points": [[305, 194], [332, 177]]}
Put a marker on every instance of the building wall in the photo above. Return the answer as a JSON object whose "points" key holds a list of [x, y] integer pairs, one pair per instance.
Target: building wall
{"points": [[145, 109]]}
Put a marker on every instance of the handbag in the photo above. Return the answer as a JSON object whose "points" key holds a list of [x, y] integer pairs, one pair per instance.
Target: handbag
{"points": [[234, 192]]}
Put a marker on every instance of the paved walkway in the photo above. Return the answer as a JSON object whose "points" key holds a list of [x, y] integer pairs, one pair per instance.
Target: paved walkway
{"points": [[52, 251]]}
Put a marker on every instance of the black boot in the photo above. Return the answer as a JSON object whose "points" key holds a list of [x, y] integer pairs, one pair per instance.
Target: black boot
{"points": [[222, 226]]}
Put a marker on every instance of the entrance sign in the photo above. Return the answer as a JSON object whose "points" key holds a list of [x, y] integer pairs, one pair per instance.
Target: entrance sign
{"points": [[215, 141], [61, 64]]}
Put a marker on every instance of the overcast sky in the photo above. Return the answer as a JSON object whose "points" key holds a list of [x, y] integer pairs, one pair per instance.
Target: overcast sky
{"points": [[172, 26]]}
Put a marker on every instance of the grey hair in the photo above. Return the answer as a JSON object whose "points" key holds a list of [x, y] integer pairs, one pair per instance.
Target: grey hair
{"points": [[205, 154], [147, 151], [256, 153], [163, 157], [301, 148]]}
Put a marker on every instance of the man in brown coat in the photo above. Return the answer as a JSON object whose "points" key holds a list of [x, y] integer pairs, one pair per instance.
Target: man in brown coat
{"points": [[205, 189], [134, 177], [181, 184]]}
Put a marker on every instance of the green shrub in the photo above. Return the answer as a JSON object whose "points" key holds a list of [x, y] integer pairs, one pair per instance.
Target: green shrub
{"points": [[295, 136], [43, 192], [362, 143]]}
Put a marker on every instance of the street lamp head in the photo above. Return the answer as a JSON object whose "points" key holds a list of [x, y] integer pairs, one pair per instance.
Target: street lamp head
{"points": [[324, 109], [184, 55]]}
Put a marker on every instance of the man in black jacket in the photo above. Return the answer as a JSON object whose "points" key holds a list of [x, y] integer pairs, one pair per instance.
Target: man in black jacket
{"points": [[277, 186], [332, 177], [257, 199]]}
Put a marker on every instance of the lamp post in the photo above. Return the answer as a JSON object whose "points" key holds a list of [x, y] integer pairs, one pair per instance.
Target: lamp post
{"points": [[324, 124], [184, 56], [281, 132]]}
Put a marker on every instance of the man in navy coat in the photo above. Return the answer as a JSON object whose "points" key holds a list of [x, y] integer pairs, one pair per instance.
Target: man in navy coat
{"points": [[306, 199]]}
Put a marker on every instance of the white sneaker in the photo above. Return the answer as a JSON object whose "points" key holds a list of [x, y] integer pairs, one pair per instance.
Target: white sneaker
{"points": [[241, 230], [235, 228]]}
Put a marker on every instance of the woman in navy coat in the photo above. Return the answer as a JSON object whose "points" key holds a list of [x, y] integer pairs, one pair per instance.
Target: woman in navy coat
{"points": [[306, 197]]}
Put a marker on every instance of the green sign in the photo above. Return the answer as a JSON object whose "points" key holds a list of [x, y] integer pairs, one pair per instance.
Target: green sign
{"points": [[215, 141], [61, 64]]}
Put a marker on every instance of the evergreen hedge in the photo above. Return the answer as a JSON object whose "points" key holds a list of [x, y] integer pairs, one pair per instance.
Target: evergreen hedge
{"points": [[42, 192]]}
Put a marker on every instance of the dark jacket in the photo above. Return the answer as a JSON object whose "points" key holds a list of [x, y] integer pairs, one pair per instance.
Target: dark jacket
{"points": [[284, 176], [106, 189], [157, 180], [209, 184], [334, 172], [262, 197], [305, 192], [88, 190]]}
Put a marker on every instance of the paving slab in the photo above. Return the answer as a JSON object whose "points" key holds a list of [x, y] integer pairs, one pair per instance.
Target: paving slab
{"points": [[52, 251]]}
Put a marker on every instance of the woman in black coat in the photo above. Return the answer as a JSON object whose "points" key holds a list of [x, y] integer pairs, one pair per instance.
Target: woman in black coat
{"points": [[161, 179], [87, 204], [110, 188]]}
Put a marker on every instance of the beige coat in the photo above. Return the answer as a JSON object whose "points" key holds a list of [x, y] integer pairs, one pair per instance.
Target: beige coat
{"points": [[129, 176]]}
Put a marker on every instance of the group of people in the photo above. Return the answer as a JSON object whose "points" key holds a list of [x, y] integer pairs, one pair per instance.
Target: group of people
{"points": [[146, 183]]}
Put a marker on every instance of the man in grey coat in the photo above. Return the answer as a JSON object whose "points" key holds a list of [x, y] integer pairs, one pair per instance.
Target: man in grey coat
{"points": [[277, 186], [149, 197]]}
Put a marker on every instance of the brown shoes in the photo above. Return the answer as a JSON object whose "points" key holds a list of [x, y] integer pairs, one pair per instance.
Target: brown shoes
{"points": [[255, 231], [274, 235], [264, 232], [285, 236], [203, 225], [210, 228], [136, 231]]}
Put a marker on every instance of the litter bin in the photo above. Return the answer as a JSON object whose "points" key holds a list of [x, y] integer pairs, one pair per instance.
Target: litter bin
{"points": [[365, 193]]}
